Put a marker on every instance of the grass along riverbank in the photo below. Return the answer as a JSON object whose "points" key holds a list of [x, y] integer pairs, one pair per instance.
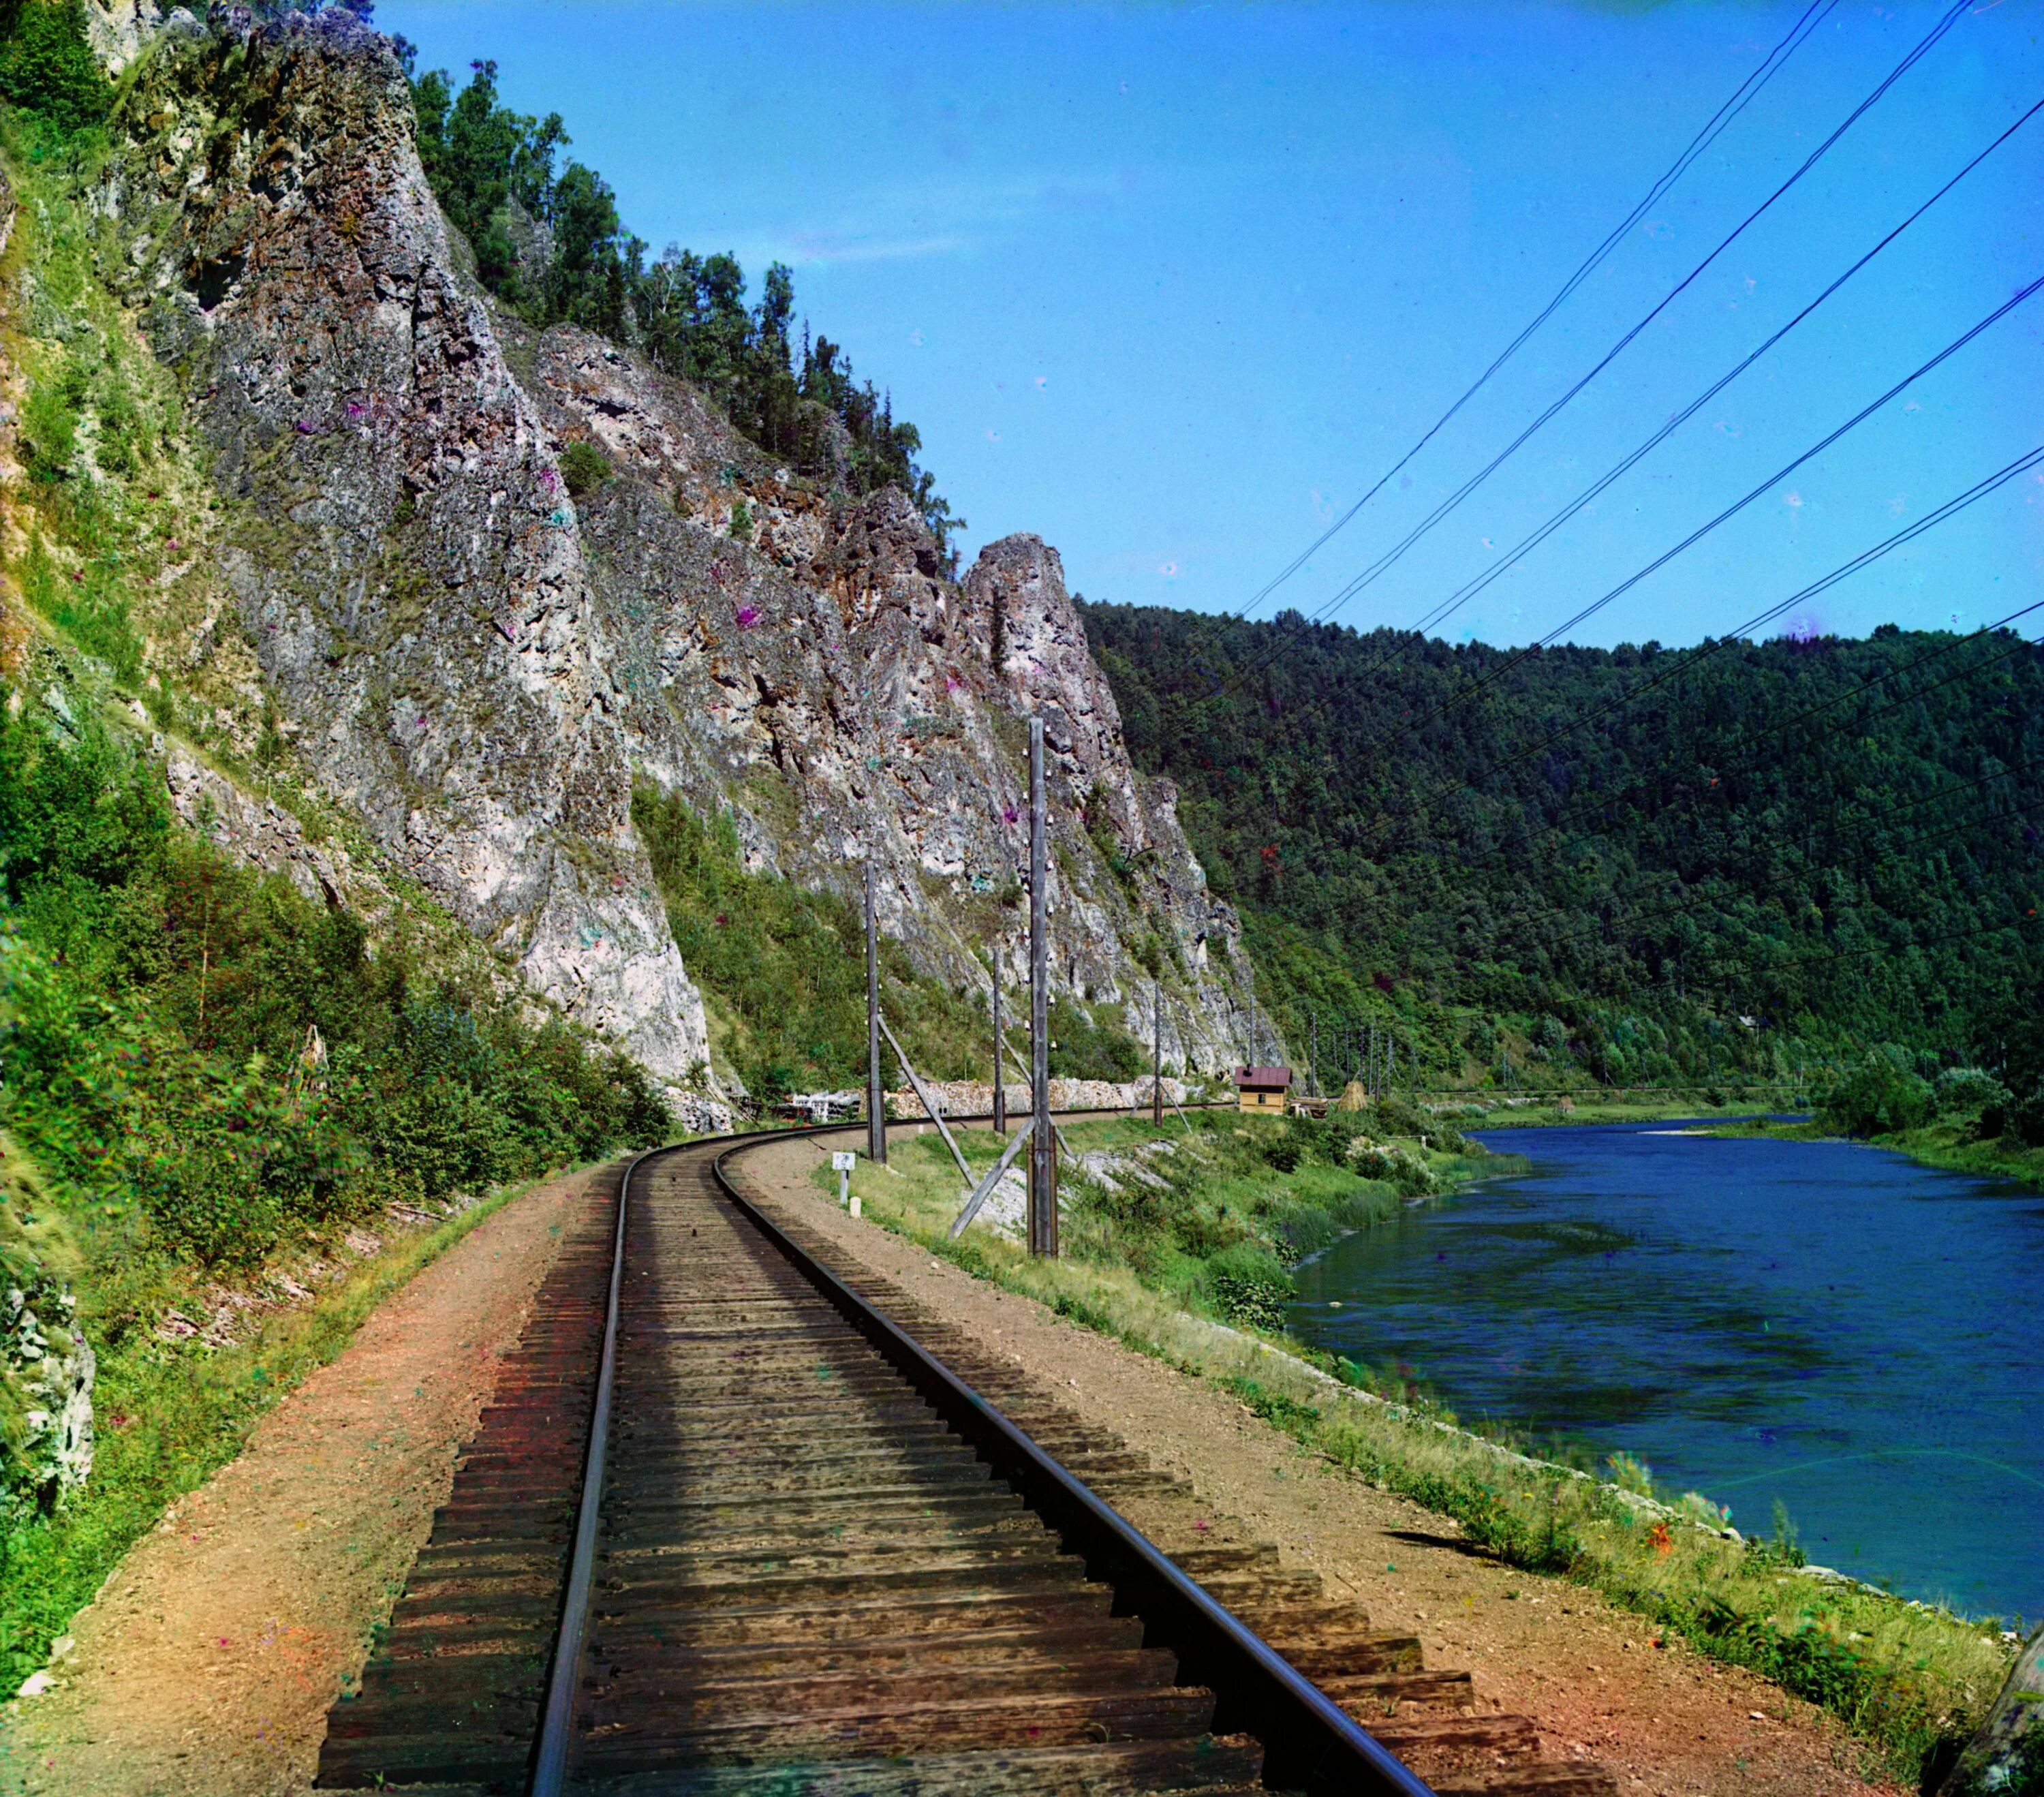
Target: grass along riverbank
{"points": [[1497, 1111], [1953, 1147], [1154, 1271]]}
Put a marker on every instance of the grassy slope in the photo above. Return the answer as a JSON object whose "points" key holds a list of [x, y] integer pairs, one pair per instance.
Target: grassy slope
{"points": [[783, 972], [1908, 1678], [1950, 1145]]}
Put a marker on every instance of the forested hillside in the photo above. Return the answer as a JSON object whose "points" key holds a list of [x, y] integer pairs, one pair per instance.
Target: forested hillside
{"points": [[551, 246], [1641, 864]]}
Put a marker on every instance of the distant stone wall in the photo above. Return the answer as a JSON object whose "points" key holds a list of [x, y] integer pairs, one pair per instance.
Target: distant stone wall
{"points": [[974, 1098]]}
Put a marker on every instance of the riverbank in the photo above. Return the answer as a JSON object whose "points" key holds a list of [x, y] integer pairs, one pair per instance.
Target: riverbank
{"points": [[1501, 1110], [1907, 1679], [1951, 1147]]}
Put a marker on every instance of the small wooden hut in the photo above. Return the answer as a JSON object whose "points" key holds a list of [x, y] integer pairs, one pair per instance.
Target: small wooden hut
{"points": [[1262, 1089]]}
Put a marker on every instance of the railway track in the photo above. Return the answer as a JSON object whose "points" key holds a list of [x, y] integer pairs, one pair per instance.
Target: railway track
{"points": [[832, 1549]]}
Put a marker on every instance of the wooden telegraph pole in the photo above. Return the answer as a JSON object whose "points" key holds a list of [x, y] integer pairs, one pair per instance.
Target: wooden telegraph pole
{"points": [[1313, 1024], [999, 1090], [1157, 1053], [876, 1101], [1043, 1140]]}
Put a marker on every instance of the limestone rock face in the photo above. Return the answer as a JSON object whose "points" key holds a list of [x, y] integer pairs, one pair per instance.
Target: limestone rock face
{"points": [[118, 29], [400, 546], [47, 1367], [478, 665]]}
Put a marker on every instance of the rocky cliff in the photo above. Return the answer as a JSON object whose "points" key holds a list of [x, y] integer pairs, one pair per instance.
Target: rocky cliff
{"points": [[390, 577]]}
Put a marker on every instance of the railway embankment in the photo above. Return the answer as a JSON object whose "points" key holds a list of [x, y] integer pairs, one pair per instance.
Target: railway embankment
{"points": [[207, 1662], [213, 1657], [1909, 1681]]}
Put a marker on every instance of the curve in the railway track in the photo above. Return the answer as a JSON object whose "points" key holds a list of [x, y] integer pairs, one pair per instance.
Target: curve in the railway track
{"points": [[786, 1543]]}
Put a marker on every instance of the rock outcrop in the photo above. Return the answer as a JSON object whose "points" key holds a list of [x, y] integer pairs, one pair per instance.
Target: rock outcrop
{"points": [[47, 1366], [478, 664]]}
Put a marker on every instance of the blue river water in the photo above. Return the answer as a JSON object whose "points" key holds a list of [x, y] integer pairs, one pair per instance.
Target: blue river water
{"points": [[1823, 1323]]}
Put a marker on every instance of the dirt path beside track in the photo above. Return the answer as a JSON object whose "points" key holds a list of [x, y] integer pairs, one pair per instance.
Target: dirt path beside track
{"points": [[207, 1663], [1664, 1718]]}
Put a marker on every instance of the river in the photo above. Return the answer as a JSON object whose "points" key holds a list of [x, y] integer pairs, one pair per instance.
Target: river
{"points": [[1823, 1323]]}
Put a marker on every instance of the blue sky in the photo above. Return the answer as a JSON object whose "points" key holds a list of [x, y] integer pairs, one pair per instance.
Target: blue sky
{"points": [[1172, 286]]}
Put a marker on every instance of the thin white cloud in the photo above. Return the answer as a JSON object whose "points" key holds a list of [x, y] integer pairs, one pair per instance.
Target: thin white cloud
{"points": [[811, 250], [923, 219]]}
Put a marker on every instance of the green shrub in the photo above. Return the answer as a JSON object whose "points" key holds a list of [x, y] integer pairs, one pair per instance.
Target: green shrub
{"points": [[785, 967], [1392, 1116], [50, 420], [584, 467], [1878, 1098], [1969, 1092], [1249, 1287], [1083, 1047], [86, 604], [1283, 1152], [156, 1000]]}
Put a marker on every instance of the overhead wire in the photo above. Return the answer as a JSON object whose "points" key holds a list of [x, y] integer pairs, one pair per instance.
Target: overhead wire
{"points": [[1959, 503], [1456, 600], [1513, 661], [1712, 129], [1742, 632], [1950, 508], [1384, 562]]}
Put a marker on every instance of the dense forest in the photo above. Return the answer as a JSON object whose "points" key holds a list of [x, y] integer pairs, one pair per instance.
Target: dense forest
{"points": [[1645, 865], [550, 245]]}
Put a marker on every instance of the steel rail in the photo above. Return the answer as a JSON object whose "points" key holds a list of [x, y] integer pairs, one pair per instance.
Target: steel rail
{"points": [[550, 1748], [1310, 1743]]}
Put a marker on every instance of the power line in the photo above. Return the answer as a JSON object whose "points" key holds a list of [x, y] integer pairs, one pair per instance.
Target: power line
{"points": [[1712, 129], [1455, 600], [1950, 508], [1922, 661], [1741, 503], [1970, 496], [1742, 631], [1384, 562]]}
